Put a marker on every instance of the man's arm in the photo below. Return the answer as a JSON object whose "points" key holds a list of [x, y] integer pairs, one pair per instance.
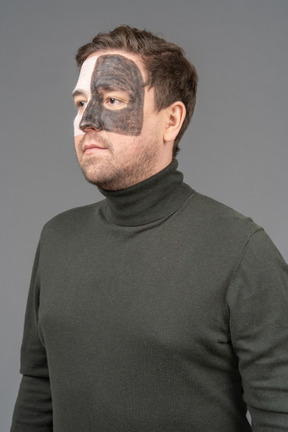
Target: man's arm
{"points": [[258, 307], [33, 408]]}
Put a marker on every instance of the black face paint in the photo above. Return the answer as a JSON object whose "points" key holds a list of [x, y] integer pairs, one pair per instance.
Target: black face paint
{"points": [[115, 72]]}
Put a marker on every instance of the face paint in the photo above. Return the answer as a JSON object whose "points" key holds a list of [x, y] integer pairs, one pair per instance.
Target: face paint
{"points": [[114, 73], [83, 88]]}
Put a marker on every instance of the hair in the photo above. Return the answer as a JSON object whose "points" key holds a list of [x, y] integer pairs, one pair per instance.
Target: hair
{"points": [[171, 75]]}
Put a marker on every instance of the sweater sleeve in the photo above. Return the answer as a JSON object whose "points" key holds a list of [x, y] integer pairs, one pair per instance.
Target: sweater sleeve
{"points": [[33, 408], [257, 301]]}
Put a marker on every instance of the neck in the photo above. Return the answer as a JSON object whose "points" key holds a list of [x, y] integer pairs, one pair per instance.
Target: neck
{"points": [[152, 199], [134, 176]]}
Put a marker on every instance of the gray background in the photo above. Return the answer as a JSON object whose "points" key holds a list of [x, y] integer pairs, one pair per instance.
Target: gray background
{"points": [[235, 150]]}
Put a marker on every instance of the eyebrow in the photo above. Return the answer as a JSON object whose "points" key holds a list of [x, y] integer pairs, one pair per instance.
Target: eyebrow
{"points": [[79, 92], [111, 88]]}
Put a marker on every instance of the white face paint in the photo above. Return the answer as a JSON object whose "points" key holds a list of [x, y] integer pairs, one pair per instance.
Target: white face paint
{"points": [[84, 86]]}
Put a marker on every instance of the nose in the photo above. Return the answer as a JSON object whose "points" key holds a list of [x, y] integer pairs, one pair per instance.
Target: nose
{"points": [[91, 119], [86, 124]]}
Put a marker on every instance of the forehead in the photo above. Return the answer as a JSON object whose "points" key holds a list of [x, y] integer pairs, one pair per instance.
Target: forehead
{"points": [[89, 65]]}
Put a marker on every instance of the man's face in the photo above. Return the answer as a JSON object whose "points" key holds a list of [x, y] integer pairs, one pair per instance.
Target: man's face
{"points": [[113, 72], [118, 133]]}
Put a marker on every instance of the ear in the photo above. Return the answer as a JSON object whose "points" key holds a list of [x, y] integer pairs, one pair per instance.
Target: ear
{"points": [[175, 115]]}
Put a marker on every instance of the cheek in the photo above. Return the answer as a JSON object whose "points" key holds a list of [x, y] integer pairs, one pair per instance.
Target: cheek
{"points": [[78, 139], [78, 144], [77, 130]]}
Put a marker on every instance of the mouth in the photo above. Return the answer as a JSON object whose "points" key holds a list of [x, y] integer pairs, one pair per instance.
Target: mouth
{"points": [[90, 148]]}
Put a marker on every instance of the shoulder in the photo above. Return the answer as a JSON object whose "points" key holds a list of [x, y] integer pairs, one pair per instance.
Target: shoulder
{"points": [[216, 208], [218, 219], [72, 220], [233, 230]]}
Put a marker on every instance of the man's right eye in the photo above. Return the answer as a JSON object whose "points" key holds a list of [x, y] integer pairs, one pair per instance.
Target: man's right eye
{"points": [[80, 104]]}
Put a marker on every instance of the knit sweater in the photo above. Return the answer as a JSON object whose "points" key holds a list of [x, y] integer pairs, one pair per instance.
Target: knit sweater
{"points": [[155, 310]]}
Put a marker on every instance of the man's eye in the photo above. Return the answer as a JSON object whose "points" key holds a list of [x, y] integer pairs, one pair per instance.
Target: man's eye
{"points": [[111, 101], [80, 104]]}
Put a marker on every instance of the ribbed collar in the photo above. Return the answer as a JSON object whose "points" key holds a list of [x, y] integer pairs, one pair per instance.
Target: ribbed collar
{"points": [[148, 201]]}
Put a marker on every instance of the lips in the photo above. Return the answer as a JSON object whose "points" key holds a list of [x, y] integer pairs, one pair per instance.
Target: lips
{"points": [[90, 147]]}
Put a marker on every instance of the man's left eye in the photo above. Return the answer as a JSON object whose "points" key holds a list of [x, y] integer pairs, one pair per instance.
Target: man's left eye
{"points": [[113, 101]]}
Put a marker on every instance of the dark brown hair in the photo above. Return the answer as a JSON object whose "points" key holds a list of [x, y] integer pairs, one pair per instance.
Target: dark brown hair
{"points": [[173, 77]]}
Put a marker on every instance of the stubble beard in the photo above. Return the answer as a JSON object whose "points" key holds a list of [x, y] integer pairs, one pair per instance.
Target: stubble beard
{"points": [[106, 173]]}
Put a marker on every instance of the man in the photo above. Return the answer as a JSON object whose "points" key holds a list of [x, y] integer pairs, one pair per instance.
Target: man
{"points": [[156, 309]]}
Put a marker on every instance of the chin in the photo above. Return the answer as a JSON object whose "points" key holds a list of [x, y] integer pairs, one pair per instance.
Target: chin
{"points": [[93, 176]]}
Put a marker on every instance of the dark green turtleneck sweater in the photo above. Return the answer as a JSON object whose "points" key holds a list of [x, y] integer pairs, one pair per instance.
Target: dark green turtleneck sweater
{"points": [[155, 310]]}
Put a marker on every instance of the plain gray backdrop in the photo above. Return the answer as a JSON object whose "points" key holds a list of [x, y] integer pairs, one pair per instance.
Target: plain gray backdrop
{"points": [[235, 150]]}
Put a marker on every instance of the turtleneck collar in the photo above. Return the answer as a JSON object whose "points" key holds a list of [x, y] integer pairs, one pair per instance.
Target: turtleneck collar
{"points": [[148, 201]]}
